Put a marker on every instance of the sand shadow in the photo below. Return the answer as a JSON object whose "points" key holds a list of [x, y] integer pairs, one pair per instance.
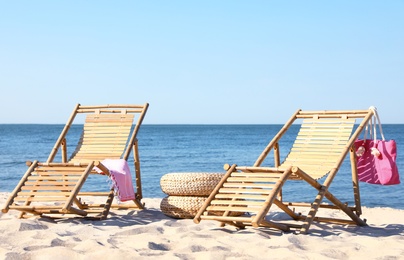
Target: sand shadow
{"points": [[124, 218], [370, 230], [118, 218]]}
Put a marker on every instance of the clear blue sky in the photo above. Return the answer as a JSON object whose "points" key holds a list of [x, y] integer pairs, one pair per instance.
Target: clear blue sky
{"points": [[207, 62]]}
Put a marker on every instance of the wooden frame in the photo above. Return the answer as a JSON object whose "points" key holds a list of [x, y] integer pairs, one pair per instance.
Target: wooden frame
{"points": [[324, 140], [56, 188]]}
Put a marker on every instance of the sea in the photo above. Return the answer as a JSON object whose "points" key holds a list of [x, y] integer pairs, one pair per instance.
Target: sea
{"points": [[194, 148]]}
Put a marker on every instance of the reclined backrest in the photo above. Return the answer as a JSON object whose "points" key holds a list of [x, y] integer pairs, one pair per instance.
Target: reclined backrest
{"points": [[319, 144], [109, 132], [104, 136]]}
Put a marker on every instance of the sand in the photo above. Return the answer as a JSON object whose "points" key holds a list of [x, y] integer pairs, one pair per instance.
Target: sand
{"points": [[129, 234]]}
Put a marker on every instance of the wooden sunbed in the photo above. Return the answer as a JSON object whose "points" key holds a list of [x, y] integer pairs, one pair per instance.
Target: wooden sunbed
{"points": [[324, 140], [55, 188]]}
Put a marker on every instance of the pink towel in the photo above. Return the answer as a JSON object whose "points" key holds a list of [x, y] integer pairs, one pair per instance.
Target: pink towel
{"points": [[121, 178]]}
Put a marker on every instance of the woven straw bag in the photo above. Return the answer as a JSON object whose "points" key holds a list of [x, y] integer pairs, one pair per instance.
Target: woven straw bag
{"points": [[185, 206], [189, 184], [181, 206]]}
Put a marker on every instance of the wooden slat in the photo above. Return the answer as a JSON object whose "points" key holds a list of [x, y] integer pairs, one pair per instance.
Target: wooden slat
{"points": [[254, 174], [104, 140], [51, 177], [100, 144], [322, 137], [91, 120], [325, 128], [49, 182], [335, 113], [95, 147], [108, 125], [47, 188], [33, 193], [105, 137], [101, 149], [48, 170], [61, 173], [109, 137], [309, 160], [95, 210], [234, 209], [230, 203], [38, 208], [244, 191], [112, 129], [250, 179], [241, 196], [301, 148], [310, 167], [248, 185], [92, 110], [332, 140], [304, 130], [93, 193], [312, 155], [41, 199], [64, 165], [111, 107], [100, 153], [98, 156], [109, 117], [92, 146], [49, 210], [227, 218], [310, 152], [320, 126]]}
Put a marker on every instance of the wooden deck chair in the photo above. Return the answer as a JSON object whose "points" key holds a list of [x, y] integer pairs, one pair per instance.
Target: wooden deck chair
{"points": [[324, 140], [55, 189]]}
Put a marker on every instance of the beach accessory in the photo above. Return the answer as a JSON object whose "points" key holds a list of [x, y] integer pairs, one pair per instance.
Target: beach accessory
{"points": [[376, 159], [181, 206], [121, 178], [187, 206], [190, 183]]}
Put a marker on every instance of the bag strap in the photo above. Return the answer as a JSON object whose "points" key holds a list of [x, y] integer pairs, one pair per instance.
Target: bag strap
{"points": [[368, 130], [376, 120]]}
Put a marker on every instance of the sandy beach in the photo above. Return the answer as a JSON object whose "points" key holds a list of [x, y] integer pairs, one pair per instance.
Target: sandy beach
{"points": [[148, 233]]}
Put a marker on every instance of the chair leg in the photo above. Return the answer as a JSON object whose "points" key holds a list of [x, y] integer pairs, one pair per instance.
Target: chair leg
{"points": [[323, 192], [108, 204], [344, 208], [355, 183], [287, 210], [313, 211]]}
